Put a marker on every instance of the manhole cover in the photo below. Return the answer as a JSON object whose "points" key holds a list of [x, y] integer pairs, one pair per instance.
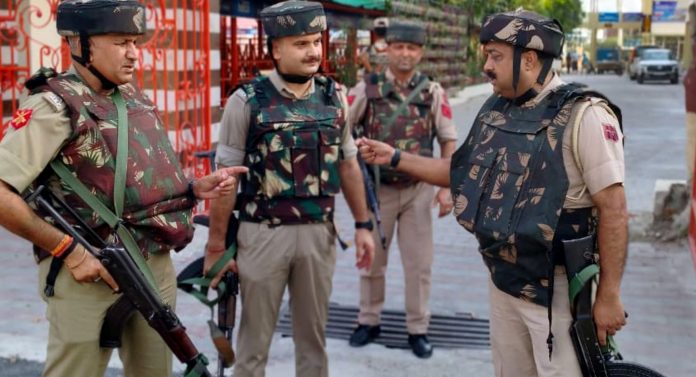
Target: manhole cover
{"points": [[446, 331]]}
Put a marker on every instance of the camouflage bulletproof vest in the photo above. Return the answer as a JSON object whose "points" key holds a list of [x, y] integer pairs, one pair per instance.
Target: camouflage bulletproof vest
{"points": [[292, 151], [411, 131], [509, 184], [156, 208]]}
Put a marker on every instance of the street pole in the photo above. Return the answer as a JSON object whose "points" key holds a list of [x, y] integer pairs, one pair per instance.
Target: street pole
{"points": [[646, 37], [594, 8], [620, 36]]}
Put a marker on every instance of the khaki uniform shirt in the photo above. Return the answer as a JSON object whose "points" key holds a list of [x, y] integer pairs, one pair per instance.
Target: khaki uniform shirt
{"points": [[377, 53], [37, 133], [234, 128], [600, 149], [444, 126]]}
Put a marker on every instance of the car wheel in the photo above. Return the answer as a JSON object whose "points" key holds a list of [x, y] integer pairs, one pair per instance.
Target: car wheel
{"points": [[640, 79], [619, 72], [674, 79], [631, 77]]}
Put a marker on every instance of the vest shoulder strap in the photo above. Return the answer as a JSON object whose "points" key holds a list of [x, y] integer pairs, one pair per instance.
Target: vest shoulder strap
{"points": [[330, 88], [39, 80], [581, 90]]}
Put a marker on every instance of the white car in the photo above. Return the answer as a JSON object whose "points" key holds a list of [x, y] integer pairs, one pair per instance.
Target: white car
{"points": [[657, 64], [634, 57]]}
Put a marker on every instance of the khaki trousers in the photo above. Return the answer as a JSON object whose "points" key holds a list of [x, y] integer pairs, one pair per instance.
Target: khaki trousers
{"points": [[76, 313], [519, 330], [301, 257], [411, 207]]}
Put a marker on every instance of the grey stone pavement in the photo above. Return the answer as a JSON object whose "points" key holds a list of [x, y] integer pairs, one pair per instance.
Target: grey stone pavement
{"points": [[659, 288]]}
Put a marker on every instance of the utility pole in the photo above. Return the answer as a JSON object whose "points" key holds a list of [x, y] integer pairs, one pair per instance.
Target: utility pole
{"points": [[594, 9], [620, 33]]}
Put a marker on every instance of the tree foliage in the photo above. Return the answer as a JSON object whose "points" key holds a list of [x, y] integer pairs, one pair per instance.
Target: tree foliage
{"points": [[567, 12]]}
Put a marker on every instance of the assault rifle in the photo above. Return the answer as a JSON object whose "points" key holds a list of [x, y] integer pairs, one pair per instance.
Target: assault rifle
{"points": [[192, 280], [228, 288], [595, 360], [136, 292], [371, 196]]}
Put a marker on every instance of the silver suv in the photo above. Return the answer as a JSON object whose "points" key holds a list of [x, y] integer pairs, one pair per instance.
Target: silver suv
{"points": [[656, 64]]}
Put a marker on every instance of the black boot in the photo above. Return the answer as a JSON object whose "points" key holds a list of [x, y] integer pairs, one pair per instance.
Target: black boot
{"points": [[364, 334], [420, 345]]}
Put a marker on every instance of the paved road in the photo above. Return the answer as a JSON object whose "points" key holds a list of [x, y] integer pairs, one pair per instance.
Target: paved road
{"points": [[659, 287]]}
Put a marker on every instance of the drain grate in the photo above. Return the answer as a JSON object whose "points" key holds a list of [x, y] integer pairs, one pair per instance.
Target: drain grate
{"points": [[445, 331]]}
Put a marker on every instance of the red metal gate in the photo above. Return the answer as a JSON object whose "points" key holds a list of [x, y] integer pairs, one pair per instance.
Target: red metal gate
{"points": [[174, 64]]}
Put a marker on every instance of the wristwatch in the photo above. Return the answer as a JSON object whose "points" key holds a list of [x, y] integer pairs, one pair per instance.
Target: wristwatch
{"points": [[395, 158], [364, 225]]}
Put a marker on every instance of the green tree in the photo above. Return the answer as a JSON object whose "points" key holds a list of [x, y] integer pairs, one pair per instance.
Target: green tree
{"points": [[568, 12]]}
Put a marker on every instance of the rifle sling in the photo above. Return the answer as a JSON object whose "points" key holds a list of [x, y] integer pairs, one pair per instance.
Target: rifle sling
{"points": [[421, 85], [112, 219], [575, 285], [204, 281]]}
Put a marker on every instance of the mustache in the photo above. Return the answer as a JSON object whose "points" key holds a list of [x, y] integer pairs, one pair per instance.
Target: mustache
{"points": [[312, 60], [490, 75]]}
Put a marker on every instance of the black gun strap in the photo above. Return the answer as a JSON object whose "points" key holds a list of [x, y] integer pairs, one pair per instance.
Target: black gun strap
{"points": [[54, 269]]}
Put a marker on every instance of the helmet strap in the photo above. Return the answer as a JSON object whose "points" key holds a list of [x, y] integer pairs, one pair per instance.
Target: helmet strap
{"points": [[516, 63], [84, 61], [545, 69]]}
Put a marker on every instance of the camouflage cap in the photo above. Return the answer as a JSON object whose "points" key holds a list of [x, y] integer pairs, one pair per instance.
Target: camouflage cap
{"points": [[94, 17], [403, 31], [293, 18], [380, 22], [524, 29]]}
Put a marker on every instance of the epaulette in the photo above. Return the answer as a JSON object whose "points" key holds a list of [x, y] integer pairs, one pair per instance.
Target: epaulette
{"points": [[575, 89]]}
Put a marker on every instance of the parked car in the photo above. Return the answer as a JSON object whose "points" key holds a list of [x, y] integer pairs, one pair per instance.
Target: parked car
{"points": [[609, 59], [633, 59], [657, 64]]}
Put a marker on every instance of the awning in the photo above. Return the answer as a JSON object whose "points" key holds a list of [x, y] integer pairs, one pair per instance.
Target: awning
{"points": [[249, 8], [367, 4]]}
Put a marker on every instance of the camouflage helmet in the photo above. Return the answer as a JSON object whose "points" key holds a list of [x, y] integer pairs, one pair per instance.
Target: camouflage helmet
{"points": [[525, 29], [293, 18], [94, 17], [403, 31]]}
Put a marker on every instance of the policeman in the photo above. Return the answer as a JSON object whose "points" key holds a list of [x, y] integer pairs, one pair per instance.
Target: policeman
{"points": [[72, 118], [375, 58], [405, 109], [527, 177], [290, 130]]}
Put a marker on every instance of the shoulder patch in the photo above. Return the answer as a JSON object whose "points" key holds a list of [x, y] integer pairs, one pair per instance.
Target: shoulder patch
{"points": [[55, 101], [21, 118], [610, 132]]}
